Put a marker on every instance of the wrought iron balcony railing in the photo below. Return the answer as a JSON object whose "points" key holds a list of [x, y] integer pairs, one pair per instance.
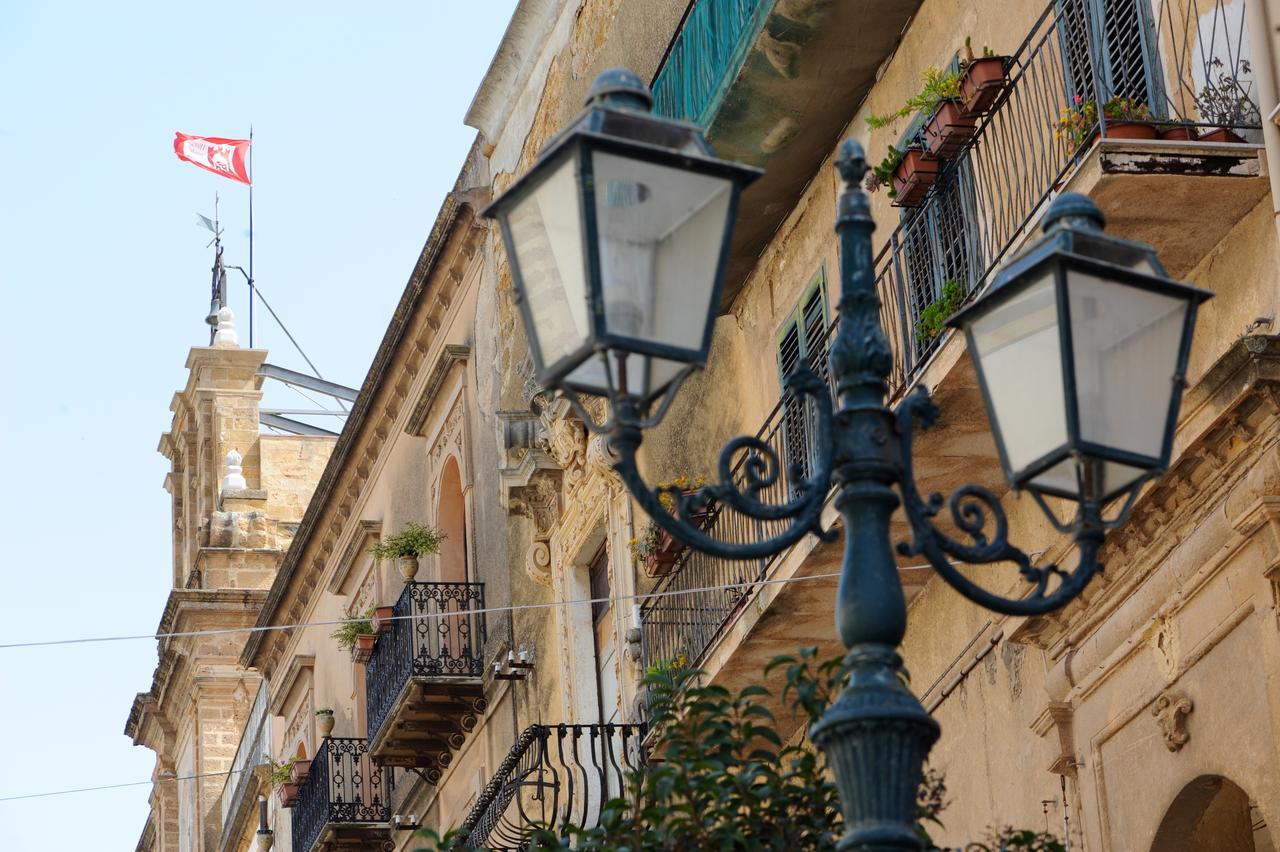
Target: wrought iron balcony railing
{"points": [[345, 796], [1186, 62], [555, 775], [710, 46], [437, 632], [253, 751]]}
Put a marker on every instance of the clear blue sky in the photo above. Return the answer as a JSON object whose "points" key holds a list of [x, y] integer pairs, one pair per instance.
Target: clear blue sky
{"points": [[357, 112]]}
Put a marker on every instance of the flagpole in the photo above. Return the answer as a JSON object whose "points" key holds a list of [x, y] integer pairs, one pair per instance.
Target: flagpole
{"points": [[250, 236]]}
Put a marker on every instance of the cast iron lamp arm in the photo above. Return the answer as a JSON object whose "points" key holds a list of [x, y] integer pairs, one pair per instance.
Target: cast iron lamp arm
{"points": [[969, 506], [759, 472]]}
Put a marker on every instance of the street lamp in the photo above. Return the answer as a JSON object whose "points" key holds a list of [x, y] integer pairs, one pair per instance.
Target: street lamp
{"points": [[1080, 347]]}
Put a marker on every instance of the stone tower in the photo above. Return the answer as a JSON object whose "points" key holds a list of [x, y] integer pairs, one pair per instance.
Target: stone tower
{"points": [[238, 496]]}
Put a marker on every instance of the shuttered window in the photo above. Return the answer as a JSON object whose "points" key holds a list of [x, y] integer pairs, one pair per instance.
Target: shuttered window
{"points": [[803, 340], [1118, 33]]}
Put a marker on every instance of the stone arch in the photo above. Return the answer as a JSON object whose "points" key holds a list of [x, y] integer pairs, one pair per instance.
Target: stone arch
{"points": [[451, 519], [1212, 814]]}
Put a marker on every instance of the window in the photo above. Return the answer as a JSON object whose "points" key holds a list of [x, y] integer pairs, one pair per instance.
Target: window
{"points": [[1118, 33], [803, 340], [600, 591]]}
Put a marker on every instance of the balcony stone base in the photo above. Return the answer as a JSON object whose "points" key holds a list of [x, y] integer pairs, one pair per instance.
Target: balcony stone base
{"points": [[428, 723], [1181, 197], [355, 837]]}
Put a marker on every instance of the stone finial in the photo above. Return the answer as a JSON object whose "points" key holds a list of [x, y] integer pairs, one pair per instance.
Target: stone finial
{"points": [[851, 162], [225, 337], [234, 480]]}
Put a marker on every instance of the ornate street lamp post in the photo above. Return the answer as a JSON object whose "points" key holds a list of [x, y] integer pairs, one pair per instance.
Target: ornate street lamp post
{"points": [[617, 240]]}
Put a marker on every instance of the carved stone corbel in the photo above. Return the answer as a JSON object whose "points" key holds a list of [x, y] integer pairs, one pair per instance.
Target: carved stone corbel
{"points": [[1171, 710]]}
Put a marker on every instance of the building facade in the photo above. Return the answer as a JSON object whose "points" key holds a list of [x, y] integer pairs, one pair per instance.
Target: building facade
{"points": [[1143, 716]]}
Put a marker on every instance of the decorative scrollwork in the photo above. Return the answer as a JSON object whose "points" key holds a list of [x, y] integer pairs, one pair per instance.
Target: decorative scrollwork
{"points": [[741, 485], [970, 507]]}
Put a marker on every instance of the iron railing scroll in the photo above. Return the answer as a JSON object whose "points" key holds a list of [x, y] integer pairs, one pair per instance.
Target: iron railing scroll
{"points": [[343, 786], [438, 631], [554, 775]]}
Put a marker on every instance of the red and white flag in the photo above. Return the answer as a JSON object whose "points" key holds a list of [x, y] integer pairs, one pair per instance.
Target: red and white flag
{"points": [[224, 157]]}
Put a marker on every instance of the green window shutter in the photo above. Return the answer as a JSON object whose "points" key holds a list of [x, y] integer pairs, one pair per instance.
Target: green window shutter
{"points": [[802, 340]]}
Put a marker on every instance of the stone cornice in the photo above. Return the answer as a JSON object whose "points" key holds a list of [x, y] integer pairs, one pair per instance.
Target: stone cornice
{"points": [[451, 354], [436, 280]]}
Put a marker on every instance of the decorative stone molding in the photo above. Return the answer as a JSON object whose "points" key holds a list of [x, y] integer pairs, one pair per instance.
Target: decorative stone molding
{"points": [[1171, 710], [366, 535], [1057, 716], [451, 355]]}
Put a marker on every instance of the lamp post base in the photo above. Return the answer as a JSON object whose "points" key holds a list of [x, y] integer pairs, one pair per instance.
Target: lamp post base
{"points": [[876, 737]]}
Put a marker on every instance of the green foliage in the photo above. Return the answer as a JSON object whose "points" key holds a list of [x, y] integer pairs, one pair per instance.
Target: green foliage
{"points": [[1224, 99], [937, 86], [351, 628], [413, 540], [1126, 109], [935, 314], [281, 773], [721, 778], [324, 711], [882, 173]]}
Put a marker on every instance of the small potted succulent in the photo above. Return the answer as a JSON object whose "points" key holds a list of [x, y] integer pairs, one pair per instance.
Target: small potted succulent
{"points": [[982, 79], [1172, 131], [408, 546], [282, 782], [356, 635], [1224, 101], [913, 177], [324, 722], [1127, 118]]}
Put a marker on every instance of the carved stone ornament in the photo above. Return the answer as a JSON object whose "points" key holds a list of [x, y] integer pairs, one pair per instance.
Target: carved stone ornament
{"points": [[1171, 710]]}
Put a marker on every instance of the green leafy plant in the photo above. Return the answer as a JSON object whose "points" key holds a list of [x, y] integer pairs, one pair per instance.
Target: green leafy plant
{"points": [[881, 174], [414, 540], [720, 776], [1077, 122], [325, 711], [351, 628], [937, 86], [1126, 109], [935, 314], [1224, 99], [281, 773]]}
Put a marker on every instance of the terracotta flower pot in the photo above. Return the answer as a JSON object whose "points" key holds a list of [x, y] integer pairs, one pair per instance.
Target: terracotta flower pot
{"points": [[381, 619], [408, 566], [287, 794], [1180, 133], [981, 84], [1221, 134], [299, 770], [1130, 130], [324, 724], [659, 563], [948, 130], [362, 651], [913, 177]]}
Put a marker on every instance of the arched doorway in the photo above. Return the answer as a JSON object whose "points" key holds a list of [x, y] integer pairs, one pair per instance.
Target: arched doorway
{"points": [[1212, 814], [452, 521]]}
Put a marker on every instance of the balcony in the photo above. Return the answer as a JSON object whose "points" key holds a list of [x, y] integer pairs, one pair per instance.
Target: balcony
{"points": [[753, 73], [985, 203], [423, 682], [344, 802], [240, 793], [555, 775]]}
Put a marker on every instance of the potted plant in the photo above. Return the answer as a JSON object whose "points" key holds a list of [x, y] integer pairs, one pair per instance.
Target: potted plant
{"points": [[1078, 123], [382, 619], [1224, 100], [298, 771], [914, 175], [933, 318], [282, 782], [982, 79], [1177, 132], [356, 635], [947, 129], [324, 722], [1127, 118], [407, 546], [655, 548]]}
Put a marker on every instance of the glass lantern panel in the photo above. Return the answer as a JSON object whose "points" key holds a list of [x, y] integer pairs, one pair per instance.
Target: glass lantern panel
{"points": [[1017, 346], [645, 374], [661, 231], [1126, 343], [546, 230], [1062, 479]]}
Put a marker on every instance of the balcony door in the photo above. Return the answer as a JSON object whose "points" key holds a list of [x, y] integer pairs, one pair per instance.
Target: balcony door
{"points": [[1112, 39], [603, 637], [802, 341]]}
